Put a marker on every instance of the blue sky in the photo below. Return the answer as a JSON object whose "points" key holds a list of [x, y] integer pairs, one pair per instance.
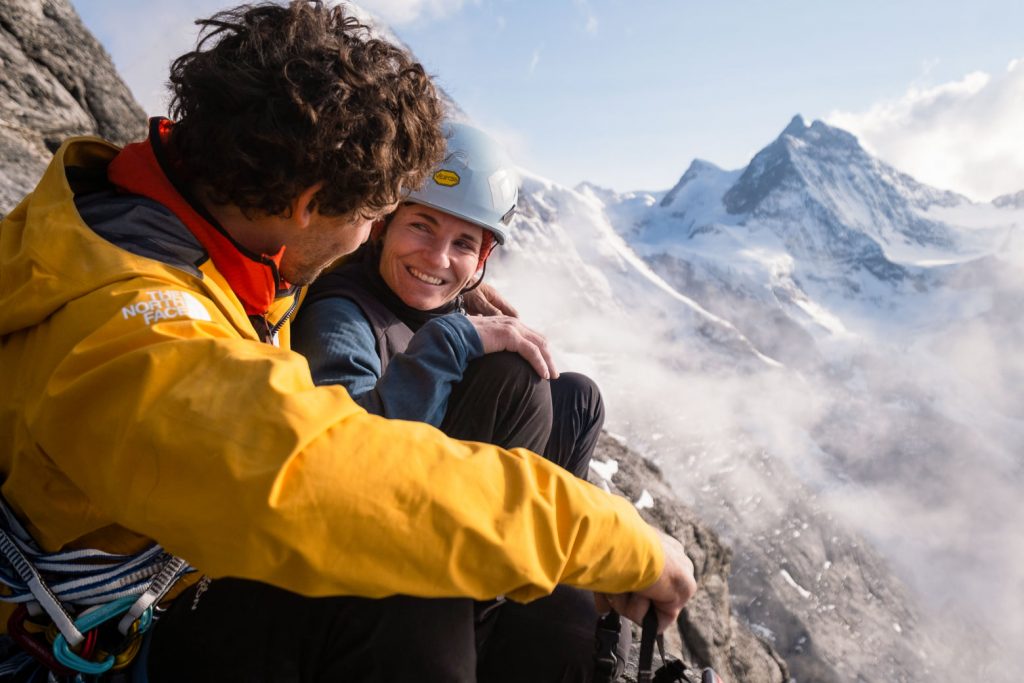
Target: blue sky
{"points": [[625, 94]]}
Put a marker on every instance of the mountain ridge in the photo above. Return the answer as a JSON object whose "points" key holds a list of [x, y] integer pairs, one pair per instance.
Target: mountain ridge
{"points": [[890, 303]]}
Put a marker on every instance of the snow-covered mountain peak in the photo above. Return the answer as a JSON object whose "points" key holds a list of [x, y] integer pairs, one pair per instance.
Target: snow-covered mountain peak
{"points": [[814, 224], [698, 168], [798, 158], [819, 133], [796, 126], [828, 198]]}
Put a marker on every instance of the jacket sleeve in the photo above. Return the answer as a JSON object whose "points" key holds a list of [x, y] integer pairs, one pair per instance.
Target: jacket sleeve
{"points": [[224, 451], [338, 341]]}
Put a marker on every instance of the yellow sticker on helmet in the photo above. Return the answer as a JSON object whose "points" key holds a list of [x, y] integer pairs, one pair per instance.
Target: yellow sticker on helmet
{"points": [[447, 178]]}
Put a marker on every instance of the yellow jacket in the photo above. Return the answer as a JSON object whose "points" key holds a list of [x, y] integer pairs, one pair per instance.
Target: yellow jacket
{"points": [[138, 403]]}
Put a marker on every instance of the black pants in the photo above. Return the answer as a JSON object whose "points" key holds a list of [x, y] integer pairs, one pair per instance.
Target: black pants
{"points": [[501, 400], [247, 631]]}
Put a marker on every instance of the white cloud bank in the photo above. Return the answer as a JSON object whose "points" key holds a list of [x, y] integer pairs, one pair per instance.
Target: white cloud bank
{"points": [[967, 135]]}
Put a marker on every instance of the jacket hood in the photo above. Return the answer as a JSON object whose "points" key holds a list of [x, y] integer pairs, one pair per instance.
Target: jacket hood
{"points": [[43, 239], [41, 268], [147, 169]]}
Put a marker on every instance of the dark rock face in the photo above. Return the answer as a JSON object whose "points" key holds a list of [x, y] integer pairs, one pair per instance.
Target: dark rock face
{"points": [[55, 81], [711, 635], [794, 596]]}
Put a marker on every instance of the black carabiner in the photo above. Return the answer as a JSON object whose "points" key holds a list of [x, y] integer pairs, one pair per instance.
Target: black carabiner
{"points": [[607, 664]]}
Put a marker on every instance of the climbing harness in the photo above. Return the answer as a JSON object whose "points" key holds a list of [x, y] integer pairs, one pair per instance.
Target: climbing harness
{"points": [[68, 602], [608, 666]]}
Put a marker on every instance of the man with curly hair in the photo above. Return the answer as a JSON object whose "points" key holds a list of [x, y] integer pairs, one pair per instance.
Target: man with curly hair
{"points": [[150, 396]]}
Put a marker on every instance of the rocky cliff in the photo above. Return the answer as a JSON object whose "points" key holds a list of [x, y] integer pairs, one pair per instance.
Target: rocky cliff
{"points": [[709, 633], [56, 80]]}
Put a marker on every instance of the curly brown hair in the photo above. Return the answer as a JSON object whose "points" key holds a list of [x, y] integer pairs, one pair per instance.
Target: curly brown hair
{"points": [[275, 99]]}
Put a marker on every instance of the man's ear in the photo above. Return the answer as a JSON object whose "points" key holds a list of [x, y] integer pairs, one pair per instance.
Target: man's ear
{"points": [[303, 205]]}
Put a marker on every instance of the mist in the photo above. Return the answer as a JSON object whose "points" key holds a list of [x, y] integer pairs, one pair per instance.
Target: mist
{"points": [[907, 436]]}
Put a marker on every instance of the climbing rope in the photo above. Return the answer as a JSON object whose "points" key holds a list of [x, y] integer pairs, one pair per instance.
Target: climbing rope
{"points": [[78, 592]]}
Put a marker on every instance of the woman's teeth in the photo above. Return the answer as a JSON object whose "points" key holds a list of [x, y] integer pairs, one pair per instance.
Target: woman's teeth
{"points": [[429, 279]]}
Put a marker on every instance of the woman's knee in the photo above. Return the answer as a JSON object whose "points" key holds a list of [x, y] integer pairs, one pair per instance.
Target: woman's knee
{"points": [[501, 400], [511, 378], [580, 394], [505, 366]]}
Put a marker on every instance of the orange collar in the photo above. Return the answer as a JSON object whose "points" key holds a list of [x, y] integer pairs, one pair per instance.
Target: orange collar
{"points": [[143, 168]]}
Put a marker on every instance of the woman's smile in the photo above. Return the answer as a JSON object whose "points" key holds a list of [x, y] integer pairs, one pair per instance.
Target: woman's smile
{"points": [[428, 257], [423, 277]]}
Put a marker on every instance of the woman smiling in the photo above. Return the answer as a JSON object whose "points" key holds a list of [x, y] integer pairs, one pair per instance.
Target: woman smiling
{"points": [[389, 325]]}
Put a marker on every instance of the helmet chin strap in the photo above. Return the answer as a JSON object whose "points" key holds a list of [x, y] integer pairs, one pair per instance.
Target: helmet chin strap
{"points": [[479, 280]]}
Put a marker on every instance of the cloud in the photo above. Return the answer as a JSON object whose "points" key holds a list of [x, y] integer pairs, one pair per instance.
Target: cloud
{"points": [[589, 18], [909, 438], [963, 135], [399, 12], [534, 60]]}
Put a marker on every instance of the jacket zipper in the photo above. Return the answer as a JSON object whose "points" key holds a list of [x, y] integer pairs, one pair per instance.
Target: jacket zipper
{"points": [[284, 318]]}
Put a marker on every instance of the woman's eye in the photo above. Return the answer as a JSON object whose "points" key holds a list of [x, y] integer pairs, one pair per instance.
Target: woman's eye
{"points": [[419, 227], [467, 247]]}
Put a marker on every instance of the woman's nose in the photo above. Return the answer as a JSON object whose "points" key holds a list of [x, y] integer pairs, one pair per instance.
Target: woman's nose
{"points": [[436, 255]]}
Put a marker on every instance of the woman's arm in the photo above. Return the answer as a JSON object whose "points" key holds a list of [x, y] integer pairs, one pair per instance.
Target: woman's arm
{"points": [[338, 342]]}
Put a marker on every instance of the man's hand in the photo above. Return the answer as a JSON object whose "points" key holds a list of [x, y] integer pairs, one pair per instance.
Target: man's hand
{"points": [[669, 594], [485, 300], [504, 333]]}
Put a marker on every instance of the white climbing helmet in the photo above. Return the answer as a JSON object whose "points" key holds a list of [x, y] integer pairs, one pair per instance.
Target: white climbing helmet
{"points": [[476, 181]]}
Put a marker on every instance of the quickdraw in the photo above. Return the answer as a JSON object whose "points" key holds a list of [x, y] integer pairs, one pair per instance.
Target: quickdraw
{"points": [[79, 591], [88, 622], [34, 645]]}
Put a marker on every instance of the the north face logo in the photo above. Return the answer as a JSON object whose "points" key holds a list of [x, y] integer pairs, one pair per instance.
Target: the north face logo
{"points": [[166, 304]]}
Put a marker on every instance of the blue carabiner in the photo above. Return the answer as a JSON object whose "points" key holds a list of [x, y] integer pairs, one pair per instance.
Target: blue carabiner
{"points": [[66, 656]]}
